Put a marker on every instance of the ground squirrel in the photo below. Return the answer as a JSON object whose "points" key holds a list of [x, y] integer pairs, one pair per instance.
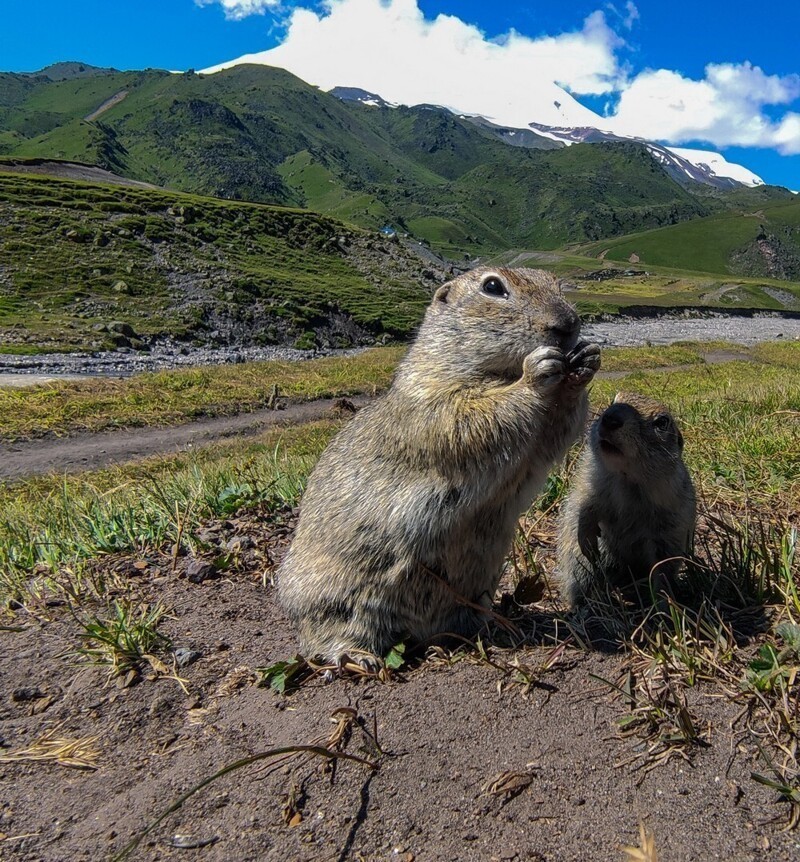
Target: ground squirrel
{"points": [[413, 505], [632, 504]]}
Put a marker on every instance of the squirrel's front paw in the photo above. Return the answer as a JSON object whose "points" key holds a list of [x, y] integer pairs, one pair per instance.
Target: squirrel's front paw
{"points": [[584, 361], [545, 368]]}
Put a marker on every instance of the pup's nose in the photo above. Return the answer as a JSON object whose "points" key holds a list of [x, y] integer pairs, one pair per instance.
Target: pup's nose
{"points": [[611, 419]]}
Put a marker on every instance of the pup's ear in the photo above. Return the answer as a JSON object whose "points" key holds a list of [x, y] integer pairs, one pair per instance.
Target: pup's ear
{"points": [[680, 439], [441, 293]]}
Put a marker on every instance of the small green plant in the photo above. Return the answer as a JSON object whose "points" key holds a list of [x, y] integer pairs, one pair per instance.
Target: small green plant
{"points": [[125, 639], [773, 669]]}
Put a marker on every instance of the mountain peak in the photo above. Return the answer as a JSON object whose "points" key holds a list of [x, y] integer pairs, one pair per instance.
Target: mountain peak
{"points": [[363, 97], [70, 69]]}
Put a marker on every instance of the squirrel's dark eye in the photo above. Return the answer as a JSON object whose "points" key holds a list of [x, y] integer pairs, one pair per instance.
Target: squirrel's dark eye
{"points": [[494, 287], [661, 422]]}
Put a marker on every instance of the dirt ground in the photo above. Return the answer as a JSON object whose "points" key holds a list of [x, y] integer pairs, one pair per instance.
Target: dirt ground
{"points": [[449, 734]]}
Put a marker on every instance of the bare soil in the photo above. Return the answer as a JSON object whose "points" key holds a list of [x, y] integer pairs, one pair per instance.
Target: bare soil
{"points": [[446, 731]]}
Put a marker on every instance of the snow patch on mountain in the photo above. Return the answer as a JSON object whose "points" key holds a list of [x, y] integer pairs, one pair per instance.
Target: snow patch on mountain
{"points": [[718, 165]]}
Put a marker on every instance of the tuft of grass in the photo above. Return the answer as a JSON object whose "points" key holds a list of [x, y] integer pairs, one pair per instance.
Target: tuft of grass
{"points": [[124, 639]]}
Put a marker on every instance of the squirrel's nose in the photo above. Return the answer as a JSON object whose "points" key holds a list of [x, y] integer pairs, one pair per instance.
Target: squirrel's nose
{"points": [[566, 328]]}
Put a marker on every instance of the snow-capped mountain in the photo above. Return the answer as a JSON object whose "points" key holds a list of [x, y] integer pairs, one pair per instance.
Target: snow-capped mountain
{"points": [[682, 164], [718, 165]]}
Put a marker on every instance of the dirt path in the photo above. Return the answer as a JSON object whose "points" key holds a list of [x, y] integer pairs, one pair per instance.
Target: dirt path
{"points": [[90, 451]]}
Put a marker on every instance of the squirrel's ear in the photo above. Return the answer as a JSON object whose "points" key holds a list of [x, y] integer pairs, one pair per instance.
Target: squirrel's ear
{"points": [[441, 293]]}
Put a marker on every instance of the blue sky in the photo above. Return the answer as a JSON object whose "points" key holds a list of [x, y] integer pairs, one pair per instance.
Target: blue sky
{"points": [[679, 37]]}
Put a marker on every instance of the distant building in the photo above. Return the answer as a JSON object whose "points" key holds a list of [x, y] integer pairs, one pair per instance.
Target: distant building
{"points": [[388, 230]]}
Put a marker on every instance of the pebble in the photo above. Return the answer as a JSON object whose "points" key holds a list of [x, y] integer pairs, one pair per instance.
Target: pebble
{"points": [[239, 543], [198, 571], [184, 656], [22, 695]]}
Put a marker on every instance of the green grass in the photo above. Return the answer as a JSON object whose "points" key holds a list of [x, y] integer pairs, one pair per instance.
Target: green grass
{"points": [[172, 397], [661, 356], [123, 639], [56, 524], [741, 422]]}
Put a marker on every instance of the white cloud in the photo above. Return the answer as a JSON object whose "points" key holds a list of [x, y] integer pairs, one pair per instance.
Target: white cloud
{"points": [[725, 108], [238, 9], [389, 47]]}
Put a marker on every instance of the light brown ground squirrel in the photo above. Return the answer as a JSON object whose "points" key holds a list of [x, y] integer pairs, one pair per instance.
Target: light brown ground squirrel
{"points": [[413, 505], [632, 504]]}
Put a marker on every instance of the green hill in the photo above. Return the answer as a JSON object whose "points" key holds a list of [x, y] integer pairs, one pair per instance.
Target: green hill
{"points": [[764, 242], [258, 133], [91, 265]]}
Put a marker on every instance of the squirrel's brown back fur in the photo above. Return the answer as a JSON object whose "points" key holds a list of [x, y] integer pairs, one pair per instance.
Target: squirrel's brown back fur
{"points": [[412, 507]]}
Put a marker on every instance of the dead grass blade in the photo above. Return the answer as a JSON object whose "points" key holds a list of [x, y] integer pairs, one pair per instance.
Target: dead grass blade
{"points": [[646, 852], [344, 718], [509, 784], [52, 748], [314, 750]]}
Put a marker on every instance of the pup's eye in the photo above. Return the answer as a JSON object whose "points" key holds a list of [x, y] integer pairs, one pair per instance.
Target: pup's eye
{"points": [[494, 287], [661, 422]]}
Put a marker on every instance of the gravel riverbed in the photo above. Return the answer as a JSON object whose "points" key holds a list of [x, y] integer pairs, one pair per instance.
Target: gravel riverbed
{"points": [[621, 332], [667, 329]]}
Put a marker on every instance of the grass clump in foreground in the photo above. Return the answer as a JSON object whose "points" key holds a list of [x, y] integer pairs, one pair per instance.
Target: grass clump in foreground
{"points": [[124, 639]]}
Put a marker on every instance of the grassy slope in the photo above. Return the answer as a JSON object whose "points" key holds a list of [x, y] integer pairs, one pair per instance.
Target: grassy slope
{"points": [[241, 132], [77, 255], [708, 244]]}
